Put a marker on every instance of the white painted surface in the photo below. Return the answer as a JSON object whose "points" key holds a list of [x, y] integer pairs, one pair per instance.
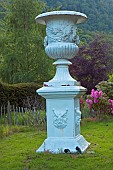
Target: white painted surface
{"points": [[62, 93]]}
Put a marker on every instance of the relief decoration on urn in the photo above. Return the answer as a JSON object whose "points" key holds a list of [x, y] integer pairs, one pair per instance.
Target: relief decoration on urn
{"points": [[64, 33]]}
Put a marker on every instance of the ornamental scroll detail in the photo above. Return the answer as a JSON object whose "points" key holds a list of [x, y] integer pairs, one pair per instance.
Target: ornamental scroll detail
{"points": [[64, 33], [77, 120], [60, 118]]}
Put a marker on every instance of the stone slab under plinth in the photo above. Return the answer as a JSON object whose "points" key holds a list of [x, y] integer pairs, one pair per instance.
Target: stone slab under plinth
{"points": [[64, 145]]}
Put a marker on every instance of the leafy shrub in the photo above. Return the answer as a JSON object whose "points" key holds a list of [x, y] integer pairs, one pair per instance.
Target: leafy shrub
{"points": [[110, 78], [100, 103], [92, 63], [16, 94], [106, 87], [83, 107]]}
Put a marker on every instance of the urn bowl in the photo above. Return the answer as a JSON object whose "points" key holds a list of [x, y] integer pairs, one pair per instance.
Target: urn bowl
{"points": [[61, 50], [61, 33]]}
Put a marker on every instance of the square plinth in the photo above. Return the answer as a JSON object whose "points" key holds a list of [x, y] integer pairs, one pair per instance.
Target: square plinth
{"points": [[63, 120]]}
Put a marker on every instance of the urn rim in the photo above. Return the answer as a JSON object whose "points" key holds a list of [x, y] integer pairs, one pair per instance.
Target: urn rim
{"points": [[79, 17]]}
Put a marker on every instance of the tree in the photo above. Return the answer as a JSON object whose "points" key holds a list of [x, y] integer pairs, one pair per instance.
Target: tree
{"points": [[92, 64], [99, 12], [22, 53]]}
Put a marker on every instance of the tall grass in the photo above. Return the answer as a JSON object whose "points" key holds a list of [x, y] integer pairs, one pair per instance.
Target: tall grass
{"points": [[27, 118], [8, 130]]}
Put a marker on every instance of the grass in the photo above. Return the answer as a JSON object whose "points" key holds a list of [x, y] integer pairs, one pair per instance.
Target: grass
{"points": [[17, 150]]}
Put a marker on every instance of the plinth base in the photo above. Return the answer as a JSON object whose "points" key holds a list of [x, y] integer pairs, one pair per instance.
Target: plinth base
{"points": [[64, 145]]}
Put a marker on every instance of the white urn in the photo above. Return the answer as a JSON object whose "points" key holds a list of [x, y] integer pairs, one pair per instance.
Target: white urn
{"points": [[62, 93], [61, 42], [61, 33]]}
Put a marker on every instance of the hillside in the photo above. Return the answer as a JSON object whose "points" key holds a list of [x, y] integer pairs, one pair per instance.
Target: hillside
{"points": [[99, 12]]}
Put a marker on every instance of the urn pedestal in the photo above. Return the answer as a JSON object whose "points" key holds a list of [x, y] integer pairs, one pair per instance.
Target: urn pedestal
{"points": [[62, 93]]}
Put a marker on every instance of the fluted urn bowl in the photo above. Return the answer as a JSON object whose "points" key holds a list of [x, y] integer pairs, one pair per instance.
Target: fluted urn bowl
{"points": [[61, 39], [61, 50]]}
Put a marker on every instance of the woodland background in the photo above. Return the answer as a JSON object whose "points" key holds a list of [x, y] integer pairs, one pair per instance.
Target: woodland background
{"points": [[22, 55]]}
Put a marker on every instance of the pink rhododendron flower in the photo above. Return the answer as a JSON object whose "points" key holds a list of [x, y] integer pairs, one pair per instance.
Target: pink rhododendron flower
{"points": [[95, 94], [89, 101], [92, 92], [100, 93], [112, 110], [100, 103], [110, 101], [96, 101]]}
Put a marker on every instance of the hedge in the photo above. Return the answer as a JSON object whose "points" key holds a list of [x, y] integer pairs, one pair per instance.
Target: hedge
{"points": [[16, 94]]}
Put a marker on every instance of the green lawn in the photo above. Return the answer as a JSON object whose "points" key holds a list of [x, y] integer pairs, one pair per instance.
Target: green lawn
{"points": [[17, 151]]}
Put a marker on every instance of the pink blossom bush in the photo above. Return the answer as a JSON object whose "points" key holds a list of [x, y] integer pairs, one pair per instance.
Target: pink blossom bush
{"points": [[99, 103], [96, 94], [90, 102], [111, 105]]}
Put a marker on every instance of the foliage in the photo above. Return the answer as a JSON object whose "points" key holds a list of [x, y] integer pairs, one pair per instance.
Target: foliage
{"points": [[17, 94], [99, 13], [109, 39], [22, 56], [106, 87], [85, 36], [22, 145], [92, 63], [99, 103], [85, 110], [6, 130], [110, 78], [27, 118], [34, 118]]}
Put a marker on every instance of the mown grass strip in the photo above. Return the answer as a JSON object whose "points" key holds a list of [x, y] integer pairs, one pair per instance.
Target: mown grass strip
{"points": [[17, 152]]}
